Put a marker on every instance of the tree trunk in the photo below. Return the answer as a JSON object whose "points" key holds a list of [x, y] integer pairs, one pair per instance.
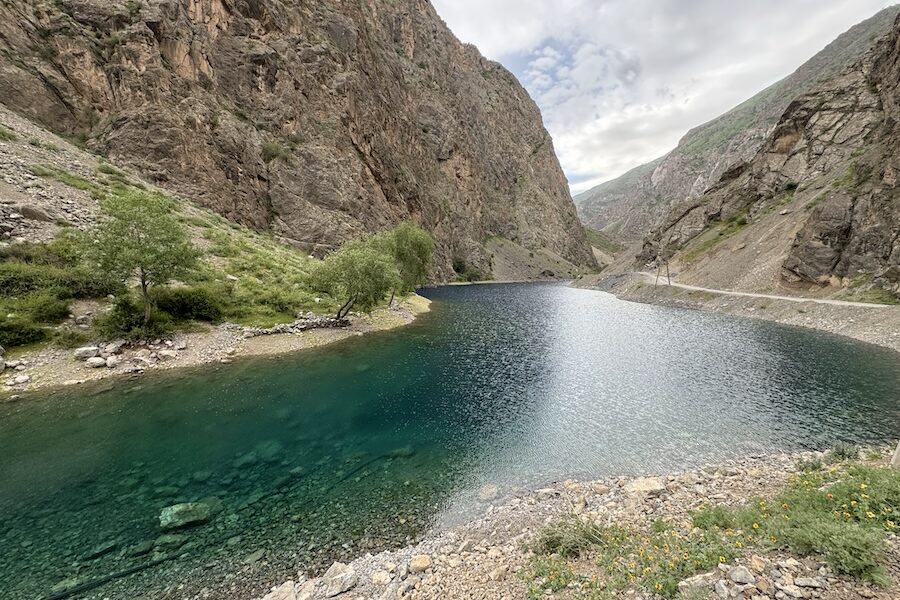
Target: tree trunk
{"points": [[342, 311], [391, 302], [146, 296]]}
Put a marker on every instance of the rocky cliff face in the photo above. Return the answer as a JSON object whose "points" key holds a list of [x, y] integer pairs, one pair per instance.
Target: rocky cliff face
{"points": [[317, 120], [831, 166], [632, 204]]}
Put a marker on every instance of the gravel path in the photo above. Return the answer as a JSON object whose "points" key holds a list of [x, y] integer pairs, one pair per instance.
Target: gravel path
{"points": [[652, 277]]}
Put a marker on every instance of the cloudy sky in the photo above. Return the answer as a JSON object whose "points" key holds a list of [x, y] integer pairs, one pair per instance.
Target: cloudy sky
{"points": [[620, 81]]}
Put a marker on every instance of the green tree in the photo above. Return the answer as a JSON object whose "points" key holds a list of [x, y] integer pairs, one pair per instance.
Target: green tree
{"points": [[359, 274], [139, 237], [412, 248]]}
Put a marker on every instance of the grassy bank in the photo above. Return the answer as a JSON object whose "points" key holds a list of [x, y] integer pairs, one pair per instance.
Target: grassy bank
{"points": [[839, 510]]}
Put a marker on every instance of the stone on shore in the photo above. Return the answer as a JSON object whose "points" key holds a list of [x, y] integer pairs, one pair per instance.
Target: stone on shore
{"points": [[86, 352], [419, 563], [338, 579], [741, 575], [651, 486], [285, 591], [696, 585], [183, 515], [95, 362], [895, 462]]}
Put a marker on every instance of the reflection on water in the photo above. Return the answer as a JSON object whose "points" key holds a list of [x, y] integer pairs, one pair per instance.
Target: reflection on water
{"points": [[368, 443]]}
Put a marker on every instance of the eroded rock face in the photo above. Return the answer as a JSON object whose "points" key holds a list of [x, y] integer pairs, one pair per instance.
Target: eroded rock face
{"points": [[317, 120], [837, 145]]}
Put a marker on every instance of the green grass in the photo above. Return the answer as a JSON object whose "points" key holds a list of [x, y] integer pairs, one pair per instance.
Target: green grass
{"points": [[7, 135], [74, 181], [38, 282], [655, 562], [274, 151], [841, 514], [603, 241], [858, 291], [715, 236]]}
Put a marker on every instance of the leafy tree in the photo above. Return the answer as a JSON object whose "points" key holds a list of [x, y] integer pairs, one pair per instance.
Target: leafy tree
{"points": [[139, 237], [359, 273], [411, 247]]}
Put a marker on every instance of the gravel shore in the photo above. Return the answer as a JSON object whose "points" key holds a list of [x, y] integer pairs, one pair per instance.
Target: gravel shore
{"points": [[486, 558], [36, 369]]}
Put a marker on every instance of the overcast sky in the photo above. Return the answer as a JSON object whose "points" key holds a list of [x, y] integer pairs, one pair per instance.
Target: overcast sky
{"points": [[620, 81]]}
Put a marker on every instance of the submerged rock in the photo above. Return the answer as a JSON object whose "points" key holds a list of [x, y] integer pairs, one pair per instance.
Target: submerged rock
{"points": [[185, 514], [169, 541], [104, 548], [488, 492]]}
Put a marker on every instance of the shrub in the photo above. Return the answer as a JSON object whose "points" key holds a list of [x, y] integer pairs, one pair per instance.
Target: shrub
{"points": [[199, 303], [65, 337], [568, 538], [712, 517], [45, 307], [127, 319], [7, 135], [807, 466], [272, 151], [843, 451], [18, 331]]}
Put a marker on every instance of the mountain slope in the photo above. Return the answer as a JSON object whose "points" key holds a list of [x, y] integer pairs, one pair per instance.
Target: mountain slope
{"points": [[818, 207], [630, 205], [318, 121]]}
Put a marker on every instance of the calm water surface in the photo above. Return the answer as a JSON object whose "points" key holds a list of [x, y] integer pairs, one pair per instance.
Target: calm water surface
{"points": [[368, 443]]}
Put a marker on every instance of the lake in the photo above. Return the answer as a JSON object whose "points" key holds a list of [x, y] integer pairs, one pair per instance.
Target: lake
{"points": [[371, 442]]}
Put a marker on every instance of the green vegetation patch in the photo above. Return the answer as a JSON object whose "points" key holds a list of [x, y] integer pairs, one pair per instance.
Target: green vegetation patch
{"points": [[7, 135], [841, 513], [37, 284], [656, 561], [603, 241], [713, 237]]}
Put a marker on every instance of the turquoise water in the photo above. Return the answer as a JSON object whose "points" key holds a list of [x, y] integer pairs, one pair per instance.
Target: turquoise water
{"points": [[370, 442]]}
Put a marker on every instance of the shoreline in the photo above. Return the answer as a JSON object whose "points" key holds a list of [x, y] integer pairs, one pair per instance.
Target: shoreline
{"points": [[878, 325], [487, 558], [52, 368]]}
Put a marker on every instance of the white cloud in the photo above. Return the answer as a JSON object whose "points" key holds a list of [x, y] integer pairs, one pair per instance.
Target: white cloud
{"points": [[620, 81]]}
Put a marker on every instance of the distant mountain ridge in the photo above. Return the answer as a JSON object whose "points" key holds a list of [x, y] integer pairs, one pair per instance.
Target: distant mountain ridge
{"points": [[629, 206], [817, 209]]}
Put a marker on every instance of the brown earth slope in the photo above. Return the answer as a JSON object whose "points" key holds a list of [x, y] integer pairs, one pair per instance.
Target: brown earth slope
{"points": [[317, 120]]}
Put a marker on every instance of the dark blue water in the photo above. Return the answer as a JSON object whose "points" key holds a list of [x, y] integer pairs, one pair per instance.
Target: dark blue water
{"points": [[368, 443]]}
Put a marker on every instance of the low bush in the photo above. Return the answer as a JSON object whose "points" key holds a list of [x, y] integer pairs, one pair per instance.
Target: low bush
{"points": [[65, 337], [45, 307], [842, 451], [199, 303], [18, 330], [126, 319]]}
